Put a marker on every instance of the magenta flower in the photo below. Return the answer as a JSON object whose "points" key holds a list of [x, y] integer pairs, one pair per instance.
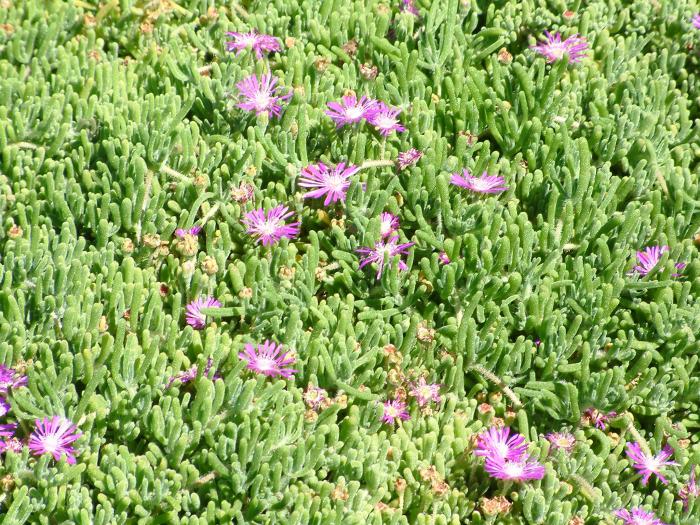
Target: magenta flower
{"points": [[497, 443], [268, 359], [696, 21], [12, 444], [191, 374], [333, 183], [254, 41], [262, 96], [194, 316], [484, 184], [395, 410], [649, 259], [407, 6], [637, 516], [4, 406], [443, 258], [597, 418], [408, 158], [350, 110], [648, 465], [389, 223], [8, 429], [691, 490], [553, 48], [383, 252], [54, 436], [269, 227], [10, 378], [520, 470], [425, 392], [180, 232], [562, 440], [384, 119]]}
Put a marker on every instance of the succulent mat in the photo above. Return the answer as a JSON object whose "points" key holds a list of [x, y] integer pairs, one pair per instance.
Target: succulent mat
{"points": [[349, 262]]}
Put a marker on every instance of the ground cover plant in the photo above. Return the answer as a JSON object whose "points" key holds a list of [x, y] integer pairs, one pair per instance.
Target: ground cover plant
{"points": [[349, 261]]}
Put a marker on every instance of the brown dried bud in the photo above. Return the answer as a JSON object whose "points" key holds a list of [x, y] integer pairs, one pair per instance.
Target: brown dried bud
{"points": [[400, 485], [102, 325], [290, 41], [209, 265], [381, 507], [127, 314], [287, 273], [127, 245], [390, 453], [310, 416], [322, 63], [8, 29], [425, 334], [495, 397], [484, 408], [7, 483], [340, 493], [188, 245], [395, 376], [246, 293], [163, 249], [94, 54], [152, 240], [523, 164], [146, 27], [164, 290], [188, 267], [696, 239], [684, 443], [435, 97], [504, 57], [294, 129], [201, 181], [89, 20], [510, 416], [15, 232], [568, 15], [340, 223], [498, 422], [614, 438], [21, 366], [244, 192], [568, 488], [368, 71], [350, 47], [576, 520], [494, 506], [471, 138]]}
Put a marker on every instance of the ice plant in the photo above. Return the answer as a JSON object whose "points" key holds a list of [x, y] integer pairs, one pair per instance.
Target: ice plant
{"points": [[54, 436], [408, 158], [193, 313], [519, 470], [395, 410], [383, 253], [649, 258], [637, 516], [443, 258], [269, 227], [331, 182], [259, 43], [425, 392], [388, 224], [350, 110], [562, 440], [598, 418], [497, 443], [690, 490], [268, 359], [484, 184], [181, 232], [10, 378], [8, 429], [384, 119], [648, 465], [554, 48], [262, 95]]}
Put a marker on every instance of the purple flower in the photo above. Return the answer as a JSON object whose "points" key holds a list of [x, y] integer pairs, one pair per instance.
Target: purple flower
{"points": [[520, 470], [554, 48], [649, 258], [443, 258], [562, 440], [8, 429], [696, 21], [180, 232], [407, 6], [10, 378], [637, 516], [395, 410], [4, 406], [333, 183], [691, 490], [191, 374], [269, 227], [194, 316], [384, 119], [484, 184], [384, 251], [597, 418], [408, 158], [12, 444], [268, 359], [54, 436], [255, 41], [648, 465], [389, 223], [262, 96], [351, 110], [497, 443], [425, 392]]}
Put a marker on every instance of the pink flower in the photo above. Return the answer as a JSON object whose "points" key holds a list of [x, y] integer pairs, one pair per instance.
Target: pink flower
{"points": [[562, 440], [389, 223], [10, 378], [383, 252], [637, 516], [443, 258], [254, 41], [595, 417], [8, 429], [425, 392], [395, 410], [268, 359], [262, 96], [573, 49], [696, 21], [351, 110], [691, 490], [269, 227], [4, 406], [333, 183], [497, 443], [407, 6], [408, 158], [194, 316], [12, 444], [648, 465], [384, 119], [484, 184], [54, 436], [520, 470], [191, 374], [180, 232], [649, 258]]}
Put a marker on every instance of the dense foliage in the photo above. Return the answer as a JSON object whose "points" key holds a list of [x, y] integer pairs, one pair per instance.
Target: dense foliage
{"points": [[120, 124]]}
